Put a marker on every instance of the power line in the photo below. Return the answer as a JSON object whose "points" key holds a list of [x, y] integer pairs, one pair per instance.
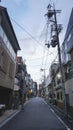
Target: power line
{"points": [[46, 36], [29, 38], [26, 32], [36, 36], [46, 42], [46, 59], [31, 35], [43, 54]]}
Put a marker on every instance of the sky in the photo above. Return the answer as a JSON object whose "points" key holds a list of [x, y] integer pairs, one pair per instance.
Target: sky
{"points": [[30, 25]]}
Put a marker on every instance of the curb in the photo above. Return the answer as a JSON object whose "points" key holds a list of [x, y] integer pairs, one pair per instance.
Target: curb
{"points": [[69, 118], [5, 120], [60, 110], [63, 112], [8, 118]]}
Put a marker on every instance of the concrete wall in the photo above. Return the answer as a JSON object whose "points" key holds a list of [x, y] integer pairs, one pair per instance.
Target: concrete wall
{"points": [[7, 70]]}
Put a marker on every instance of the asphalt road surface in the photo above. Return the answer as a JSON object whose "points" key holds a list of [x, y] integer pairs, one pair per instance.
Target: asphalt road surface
{"points": [[37, 115]]}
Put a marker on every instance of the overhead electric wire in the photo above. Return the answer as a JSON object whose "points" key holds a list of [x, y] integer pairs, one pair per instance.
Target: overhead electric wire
{"points": [[43, 56], [29, 38], [29, 35], [46, 36], [26, 32], [43, 30], [36, 36], [43, 59], [46, 40], [56, 59]]}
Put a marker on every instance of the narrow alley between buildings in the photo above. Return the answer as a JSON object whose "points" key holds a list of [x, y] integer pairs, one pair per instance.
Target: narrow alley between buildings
{"points": [[36, 65]]}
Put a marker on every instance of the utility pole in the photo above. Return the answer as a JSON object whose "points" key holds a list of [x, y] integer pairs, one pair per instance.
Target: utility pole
{"points": [[51, 14], [43, 81]]}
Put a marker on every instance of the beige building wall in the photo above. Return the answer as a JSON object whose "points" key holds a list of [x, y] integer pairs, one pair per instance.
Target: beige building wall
{"points": [[7, 69]]}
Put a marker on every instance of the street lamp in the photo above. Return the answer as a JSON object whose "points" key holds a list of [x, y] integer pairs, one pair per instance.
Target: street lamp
{"points": [[55, 30], [59, 75]]}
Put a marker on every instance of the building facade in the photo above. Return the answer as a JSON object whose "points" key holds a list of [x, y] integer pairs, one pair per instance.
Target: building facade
{"points": [[21, 73], [55, 89], [8, 51], [68, 63]]}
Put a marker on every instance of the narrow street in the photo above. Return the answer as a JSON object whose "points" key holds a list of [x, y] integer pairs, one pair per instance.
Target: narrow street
{"points": [[37, 115], [36, 65]]}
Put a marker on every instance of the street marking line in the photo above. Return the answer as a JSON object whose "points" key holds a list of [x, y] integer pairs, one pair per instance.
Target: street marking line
{"points": [[46, 103], [58, 117], [58, 111], [9, 118], [63, 123], [52, 110], [49, 106]]}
